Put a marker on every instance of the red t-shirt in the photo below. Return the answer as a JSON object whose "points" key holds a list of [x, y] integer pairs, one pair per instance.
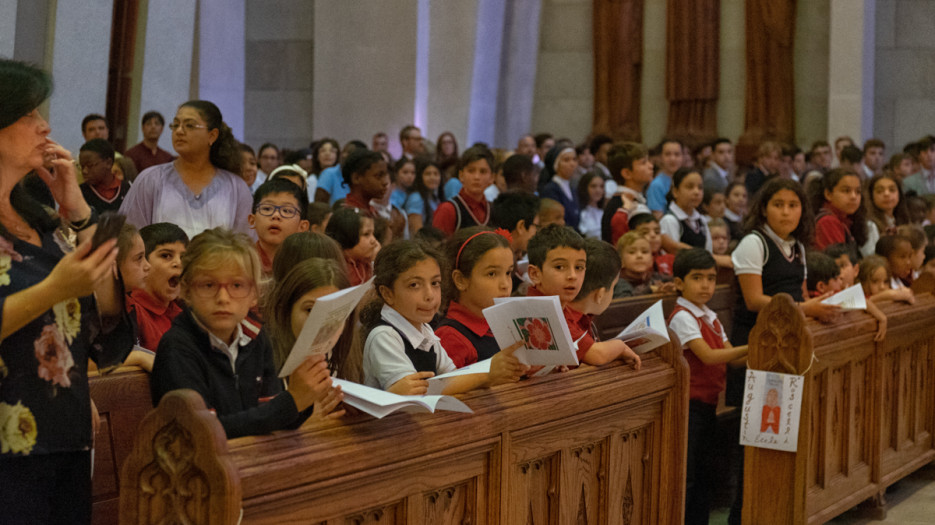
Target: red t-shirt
{"points": [[358, 272], [458, 348], [152, 318], [446, 216]]}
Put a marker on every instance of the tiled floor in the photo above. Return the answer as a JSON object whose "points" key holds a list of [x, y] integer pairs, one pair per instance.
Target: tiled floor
{"points": [[909, 502]]}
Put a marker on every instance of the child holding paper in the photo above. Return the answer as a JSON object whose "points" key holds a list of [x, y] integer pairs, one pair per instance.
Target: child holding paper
{"points": [[557, 264], [707, 351], [206, 349], [482, 269], [401, 350], [823, 274]]}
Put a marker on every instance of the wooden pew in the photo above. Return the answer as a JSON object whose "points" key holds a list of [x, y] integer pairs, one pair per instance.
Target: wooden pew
{"points": [[868, 411], [593, 445], [123, 400]]}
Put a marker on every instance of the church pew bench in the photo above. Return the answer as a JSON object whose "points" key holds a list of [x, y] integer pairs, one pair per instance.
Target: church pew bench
{"points": [[868, 410], [595, 444]]}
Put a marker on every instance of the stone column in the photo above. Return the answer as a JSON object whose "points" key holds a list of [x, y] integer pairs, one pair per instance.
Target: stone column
{"points": [[851, 69], [221, 59]]}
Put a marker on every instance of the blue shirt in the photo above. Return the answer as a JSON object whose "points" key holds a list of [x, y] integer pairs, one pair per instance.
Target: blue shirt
{"points": [[453, 186], [658, 189], [332, 181], [398, 198], [416, 206]]}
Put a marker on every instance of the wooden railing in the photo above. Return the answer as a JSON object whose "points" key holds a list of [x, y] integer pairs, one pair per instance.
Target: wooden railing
{"points": [[593, 445], [868, 411]]}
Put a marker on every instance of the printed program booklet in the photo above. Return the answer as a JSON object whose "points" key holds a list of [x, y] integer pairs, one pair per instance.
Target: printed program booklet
{"points": [[539, 323], [379, 403], [647, 331], [324, 325]]}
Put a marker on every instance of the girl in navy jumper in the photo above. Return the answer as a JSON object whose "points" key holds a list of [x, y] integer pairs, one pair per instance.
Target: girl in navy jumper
{"points": [[682, 225], [401, 350], [770, 259], [206, 349], [482, 270]]}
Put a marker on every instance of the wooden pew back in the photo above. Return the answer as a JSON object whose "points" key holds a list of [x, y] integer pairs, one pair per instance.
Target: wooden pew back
{"points": [[593, 444], [122, 399], [868, 410]]}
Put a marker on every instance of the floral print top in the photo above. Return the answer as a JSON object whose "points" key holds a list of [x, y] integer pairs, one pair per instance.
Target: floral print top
{"points": [[44, 398]]}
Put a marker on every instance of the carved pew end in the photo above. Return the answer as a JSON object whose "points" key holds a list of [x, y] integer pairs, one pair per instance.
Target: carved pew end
{"points": [[183, 475]]}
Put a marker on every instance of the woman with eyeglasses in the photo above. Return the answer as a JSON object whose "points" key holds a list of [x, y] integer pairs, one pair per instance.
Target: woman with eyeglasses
{"points": [[54, 296], [200, 189]]}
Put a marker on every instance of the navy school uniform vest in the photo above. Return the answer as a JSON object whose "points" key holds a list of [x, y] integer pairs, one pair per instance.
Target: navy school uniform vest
{"points": [[696, 238], [486, 345], [422, 361], [464, 217]]}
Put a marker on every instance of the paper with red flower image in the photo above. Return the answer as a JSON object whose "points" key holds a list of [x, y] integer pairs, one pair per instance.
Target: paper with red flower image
{"points": [[539, 323]]}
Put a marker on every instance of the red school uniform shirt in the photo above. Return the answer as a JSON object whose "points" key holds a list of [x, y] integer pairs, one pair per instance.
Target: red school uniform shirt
{"points": [[663, 263], [446, 216], [152, 319], [456, 345], [832, 227], [579, 325]]}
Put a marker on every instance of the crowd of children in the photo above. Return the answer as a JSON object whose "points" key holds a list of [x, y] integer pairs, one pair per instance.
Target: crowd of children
{"points": [[219, 312]]}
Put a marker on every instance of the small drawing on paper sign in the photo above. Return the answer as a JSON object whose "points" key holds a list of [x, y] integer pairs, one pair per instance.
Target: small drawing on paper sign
{"points": [[536, 333]]}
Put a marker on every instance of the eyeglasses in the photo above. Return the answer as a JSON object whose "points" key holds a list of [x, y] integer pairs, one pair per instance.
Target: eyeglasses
{"points": [[187, 126], [237, 289], [286, 212]]}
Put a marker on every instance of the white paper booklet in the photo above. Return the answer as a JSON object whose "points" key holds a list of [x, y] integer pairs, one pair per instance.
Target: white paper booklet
{"points": [[539, 323], [647, 331], [324, 325], [379, 403], [438, 383], [850, 299], [772, 406]]}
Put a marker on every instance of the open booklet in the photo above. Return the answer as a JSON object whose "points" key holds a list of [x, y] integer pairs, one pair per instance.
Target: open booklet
{"points": [[539, 323], [324, 325], [647, 331], [379, 403], [850, 299], [437, 384]]}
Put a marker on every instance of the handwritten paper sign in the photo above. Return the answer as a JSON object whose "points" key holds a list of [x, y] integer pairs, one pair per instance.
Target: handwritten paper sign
{"points": [[772, 406]]}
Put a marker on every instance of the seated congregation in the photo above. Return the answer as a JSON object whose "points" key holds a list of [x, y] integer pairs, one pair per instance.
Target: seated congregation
{"points": [[225, 254]]}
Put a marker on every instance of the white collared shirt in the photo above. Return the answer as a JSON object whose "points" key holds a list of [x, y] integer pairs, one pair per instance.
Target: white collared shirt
{"points": [[750, 254], [670, 224], [685, 326], [385, 359], [230, 350]]}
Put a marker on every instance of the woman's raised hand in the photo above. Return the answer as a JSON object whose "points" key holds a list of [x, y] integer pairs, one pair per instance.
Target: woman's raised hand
{"points": [[80, 272], [62, 181]]}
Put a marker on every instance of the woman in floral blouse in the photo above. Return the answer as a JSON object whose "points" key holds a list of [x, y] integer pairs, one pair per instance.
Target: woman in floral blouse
{"points": [[50, 323]]}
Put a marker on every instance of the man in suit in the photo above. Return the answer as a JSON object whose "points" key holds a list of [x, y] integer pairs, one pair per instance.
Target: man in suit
{"points": [[717, 174]]}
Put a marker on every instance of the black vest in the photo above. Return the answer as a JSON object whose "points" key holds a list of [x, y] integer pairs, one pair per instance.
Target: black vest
{"points": [[464, 216], [695, 239], [614, 204], [485, 345], [422, 361], [779, 276]]}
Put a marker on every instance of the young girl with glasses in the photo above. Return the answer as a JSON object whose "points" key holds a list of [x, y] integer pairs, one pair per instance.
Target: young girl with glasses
{"points": [[206, 349]]}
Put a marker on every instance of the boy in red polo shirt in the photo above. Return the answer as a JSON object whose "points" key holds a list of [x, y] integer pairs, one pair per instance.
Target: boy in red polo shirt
{"points": [[707, 351], [557, 264], [469, 207], [632, 171], [154, 305]]}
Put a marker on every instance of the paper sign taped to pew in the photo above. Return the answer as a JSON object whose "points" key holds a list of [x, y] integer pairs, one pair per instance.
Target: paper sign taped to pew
{"points": [[324, 325], [539, 323], [647, 331], [772, 406], [852, 298]]}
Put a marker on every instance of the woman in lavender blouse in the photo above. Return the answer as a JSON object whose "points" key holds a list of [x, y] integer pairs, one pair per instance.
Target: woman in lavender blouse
{"points": [[199, 190]]}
